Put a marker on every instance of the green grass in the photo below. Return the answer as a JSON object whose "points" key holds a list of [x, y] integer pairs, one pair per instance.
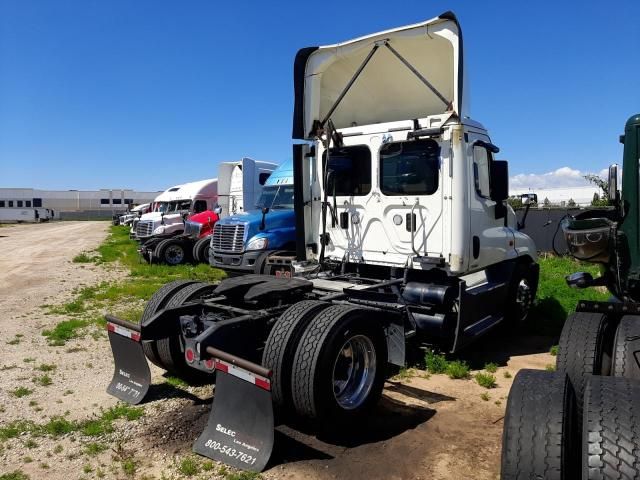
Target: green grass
{"points": [[43, 380], [486, 380], [83, 258], [550, 367], [555, 299], [94, 448], [47, 367], [506, 374], [123, 297], [176, 382], [129, 467], [457, 370], [554, 350], [21, 392], [491, 367], [15, 475], [435, 362], [188, 467], [485, 396], [58, 426], [242, 476]]}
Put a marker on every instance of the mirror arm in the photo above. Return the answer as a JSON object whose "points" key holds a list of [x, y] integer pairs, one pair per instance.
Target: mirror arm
{"points": [[524, 217]]}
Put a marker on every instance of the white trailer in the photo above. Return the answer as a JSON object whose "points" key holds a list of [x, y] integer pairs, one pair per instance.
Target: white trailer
{"points": [[19, 215]]}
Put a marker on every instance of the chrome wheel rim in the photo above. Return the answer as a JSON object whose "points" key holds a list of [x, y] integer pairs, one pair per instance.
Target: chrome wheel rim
{"points": [[174, 254], [354, 371], [524, 299]]}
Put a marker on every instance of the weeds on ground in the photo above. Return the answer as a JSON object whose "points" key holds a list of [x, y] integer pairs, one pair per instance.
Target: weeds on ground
{"points": [[83, 258], [491, 367], [554, 350], [188, 466], [403, 374], [457, 370], [94, 448], [43, 380], [21, 392], [485, 396], [435, 362], [550, 367], [506, 374], [486, 380], [15, 475], [47, 367]]}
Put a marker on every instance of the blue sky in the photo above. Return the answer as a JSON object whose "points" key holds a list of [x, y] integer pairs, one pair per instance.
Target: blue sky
{"points": [[143, 94]]}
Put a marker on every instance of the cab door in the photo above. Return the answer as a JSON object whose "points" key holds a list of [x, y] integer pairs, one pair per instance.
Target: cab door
{"points": [[491, 242]]}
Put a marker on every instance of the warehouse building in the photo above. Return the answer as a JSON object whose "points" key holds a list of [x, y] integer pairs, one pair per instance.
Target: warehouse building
{"points": [[75, 203]]}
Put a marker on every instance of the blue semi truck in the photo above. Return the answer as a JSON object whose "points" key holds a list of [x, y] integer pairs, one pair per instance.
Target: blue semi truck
{"points": [[242, 243]]}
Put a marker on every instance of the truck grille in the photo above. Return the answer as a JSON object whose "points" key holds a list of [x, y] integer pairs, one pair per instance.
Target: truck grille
{"points": [[144, 228], [228, 238], [192, 229]]}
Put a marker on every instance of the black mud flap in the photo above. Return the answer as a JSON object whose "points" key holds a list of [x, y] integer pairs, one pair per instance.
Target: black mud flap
{"points": [[240, 428], [131, 377]]}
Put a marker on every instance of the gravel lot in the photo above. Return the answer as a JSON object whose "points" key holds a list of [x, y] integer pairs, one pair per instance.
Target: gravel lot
{"points": [[426, 427]]}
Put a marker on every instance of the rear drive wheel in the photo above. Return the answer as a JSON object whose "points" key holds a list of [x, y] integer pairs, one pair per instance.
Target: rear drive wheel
{"points": [[538, 439], [170, 349], [280, 348], [581, 350], [338, 369], [626, 348], [157, 302], [171, 252], [611, 429]]}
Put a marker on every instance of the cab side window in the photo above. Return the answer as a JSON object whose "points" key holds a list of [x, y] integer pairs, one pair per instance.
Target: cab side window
{"points": [[481, 162], [199, 206]]}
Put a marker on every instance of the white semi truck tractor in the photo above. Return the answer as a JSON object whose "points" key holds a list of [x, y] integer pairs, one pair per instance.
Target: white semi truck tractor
{"points": [[403, 236]]}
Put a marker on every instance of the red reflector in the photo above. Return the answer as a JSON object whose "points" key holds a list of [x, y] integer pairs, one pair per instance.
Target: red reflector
{"points": [[266, 384], [210, 364], [222, 366], [190, 355]]}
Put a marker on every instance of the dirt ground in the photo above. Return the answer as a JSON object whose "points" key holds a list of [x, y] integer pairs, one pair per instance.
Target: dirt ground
{"points": [[426, 427]]}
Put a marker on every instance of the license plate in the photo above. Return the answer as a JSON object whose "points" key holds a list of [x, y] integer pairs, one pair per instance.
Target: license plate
{"points": [[283, 274]]}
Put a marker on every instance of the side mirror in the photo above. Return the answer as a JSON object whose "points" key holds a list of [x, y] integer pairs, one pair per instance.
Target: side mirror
{"points": [[613, 183], [217, 210], [499, 180], [529, 198], [265, 210]]}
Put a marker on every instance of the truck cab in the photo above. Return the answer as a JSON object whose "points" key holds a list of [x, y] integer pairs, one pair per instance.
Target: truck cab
{"points": [[242, 242], [174, 204]]}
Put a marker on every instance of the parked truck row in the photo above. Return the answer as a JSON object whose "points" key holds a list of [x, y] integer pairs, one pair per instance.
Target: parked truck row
{"points": [[401, 237]]}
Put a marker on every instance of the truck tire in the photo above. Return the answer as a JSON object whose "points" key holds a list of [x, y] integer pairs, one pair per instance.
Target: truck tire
{"points": [[201, 250], [581, 350], [327, 383], [522, 293], [281, 344], [170, 351], [156, 303], [261, 261], [539, 436], [611, 429], [626, 348], [171, 252]]}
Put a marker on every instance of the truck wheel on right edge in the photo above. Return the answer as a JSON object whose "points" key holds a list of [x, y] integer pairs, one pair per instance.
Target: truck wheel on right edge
{"points": [[280, 348], [157, 302], [339, 365], [626, 348], [611, 429], [539, 428], [581, 350]]}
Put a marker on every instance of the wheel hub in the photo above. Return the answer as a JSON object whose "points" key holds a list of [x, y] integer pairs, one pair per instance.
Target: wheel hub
{"points": [[524, 299], [174, 254], [354, 371]]}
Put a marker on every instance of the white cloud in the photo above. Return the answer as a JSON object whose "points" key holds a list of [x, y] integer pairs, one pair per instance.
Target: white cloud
{"points": [[563, 177]]}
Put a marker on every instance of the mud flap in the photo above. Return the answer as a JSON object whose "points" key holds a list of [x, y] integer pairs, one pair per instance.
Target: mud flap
{"points": [[240, 427], [131, 377]]}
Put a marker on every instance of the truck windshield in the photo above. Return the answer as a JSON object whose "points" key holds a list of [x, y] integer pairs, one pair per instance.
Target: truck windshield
{"points": [[162, 207], [276, 197], [179, 205]]}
